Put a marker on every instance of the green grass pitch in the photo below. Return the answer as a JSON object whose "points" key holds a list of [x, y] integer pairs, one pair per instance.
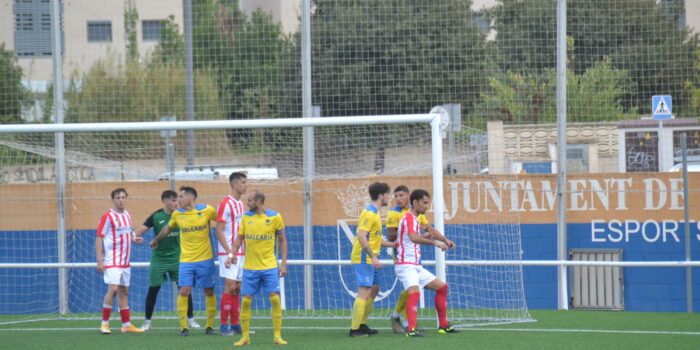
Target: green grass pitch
{"points": [[553, 330]]}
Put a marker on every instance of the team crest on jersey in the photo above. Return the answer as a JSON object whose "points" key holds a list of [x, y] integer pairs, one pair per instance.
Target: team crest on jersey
{"points": [[267, 222], [199, 213]]}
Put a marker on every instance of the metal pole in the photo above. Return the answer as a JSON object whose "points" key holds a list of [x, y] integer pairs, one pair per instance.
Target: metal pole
{"points": [[563, 302], [56, 47], [438, 201], [189, 83], [170, 153], [309, 152], [686, 225]]}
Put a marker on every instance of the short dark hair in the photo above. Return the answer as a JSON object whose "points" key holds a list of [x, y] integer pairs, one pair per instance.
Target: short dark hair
{"points": [[258, 196], [189, 190], [118, 191], [378, 188], [237, 176], [401, 188], [168, 194], [419, 194]]}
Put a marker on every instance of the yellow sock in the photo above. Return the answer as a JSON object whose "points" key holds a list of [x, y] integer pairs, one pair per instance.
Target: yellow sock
{"points": [[245, 316], [182, 311], [276, 315], [401, 303], [368, 310], [358, 311], [211, 310]]}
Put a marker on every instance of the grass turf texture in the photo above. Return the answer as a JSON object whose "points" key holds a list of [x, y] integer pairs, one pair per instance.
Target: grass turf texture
{"points": [[554, 330]]}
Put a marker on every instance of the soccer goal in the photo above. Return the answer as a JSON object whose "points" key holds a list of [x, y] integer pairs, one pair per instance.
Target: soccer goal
{"points": [[317, 173]]}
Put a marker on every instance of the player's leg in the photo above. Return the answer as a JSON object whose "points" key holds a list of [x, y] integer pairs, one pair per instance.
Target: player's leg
{"points": [[271, 285], [369, 305], [440, 289], [205, 279], [156, 277], [107, 303], [399, 310], [123, 301], [250, 285], [186, 282], [235, 301], [364, 277], [408, 276], [229, 298], [173, 271]]}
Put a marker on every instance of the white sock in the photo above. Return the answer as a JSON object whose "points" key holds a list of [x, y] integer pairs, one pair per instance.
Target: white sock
{"points": [[105, 323], [395, 314], [126, 324]]}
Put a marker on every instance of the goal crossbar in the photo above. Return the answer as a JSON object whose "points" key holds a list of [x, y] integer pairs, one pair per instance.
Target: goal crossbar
{"points": [[221, 124]]}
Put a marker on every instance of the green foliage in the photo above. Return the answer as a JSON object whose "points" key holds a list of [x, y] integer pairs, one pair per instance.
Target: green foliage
{"points": [[171, 47], [639, 36], [594, 95], [13, 95], [131, 19], [251, 58], [394, 56], [116, 92]]}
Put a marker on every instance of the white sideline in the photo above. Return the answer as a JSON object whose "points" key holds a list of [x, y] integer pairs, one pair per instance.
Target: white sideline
{"points": [[471, 329]]}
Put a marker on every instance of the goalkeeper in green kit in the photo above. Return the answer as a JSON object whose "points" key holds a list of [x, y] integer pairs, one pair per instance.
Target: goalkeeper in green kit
{"points": [[165, 260]]}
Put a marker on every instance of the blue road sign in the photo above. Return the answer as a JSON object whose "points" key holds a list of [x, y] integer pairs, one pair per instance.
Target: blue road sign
{"points": [[661, 107]]}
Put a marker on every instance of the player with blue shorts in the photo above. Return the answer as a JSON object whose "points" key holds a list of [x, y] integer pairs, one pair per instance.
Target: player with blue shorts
{"points": [[262, 229]]}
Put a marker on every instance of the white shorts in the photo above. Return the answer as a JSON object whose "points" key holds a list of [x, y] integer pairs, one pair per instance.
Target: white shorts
{"points": [[120, 276], [413, 275], [235, 272]]}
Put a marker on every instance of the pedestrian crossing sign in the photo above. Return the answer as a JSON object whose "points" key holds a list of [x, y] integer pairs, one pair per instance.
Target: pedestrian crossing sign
{"points": [[661, 107]]}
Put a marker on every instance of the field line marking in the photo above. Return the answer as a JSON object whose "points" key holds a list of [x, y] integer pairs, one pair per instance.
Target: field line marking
{"points": [[471, 329]]}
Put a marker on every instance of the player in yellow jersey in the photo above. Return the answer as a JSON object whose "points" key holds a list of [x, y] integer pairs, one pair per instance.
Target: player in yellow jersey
{"points": [[403, 205], [196, 258], [262, 229], [365, 249]]}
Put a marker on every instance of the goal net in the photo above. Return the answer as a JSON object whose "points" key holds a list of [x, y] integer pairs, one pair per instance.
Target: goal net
{"points": [[320, 283]]}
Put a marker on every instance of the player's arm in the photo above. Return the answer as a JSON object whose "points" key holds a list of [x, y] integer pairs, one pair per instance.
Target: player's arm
{"points": [[282, 239], [364, 243], [220, 236], [435, 234], [98, 254], [386, 243], [416, 238], [221, 216], [163, 233], [139, 231], [232, 258]]}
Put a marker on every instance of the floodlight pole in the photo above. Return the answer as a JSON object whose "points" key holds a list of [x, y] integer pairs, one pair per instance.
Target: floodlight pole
{"points": [[309, 152], [60, 165], [686, 225], [562, 283]]}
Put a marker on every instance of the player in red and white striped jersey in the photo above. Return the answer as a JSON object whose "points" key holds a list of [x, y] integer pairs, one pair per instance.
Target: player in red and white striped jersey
{"points": [[113, 252], [228, 220], [408, 268]]}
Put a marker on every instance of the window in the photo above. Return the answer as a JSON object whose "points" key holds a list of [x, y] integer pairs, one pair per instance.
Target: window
{"points": [[99, 31], [577, 158], [642, 151], [33, 27], [151, 30]]}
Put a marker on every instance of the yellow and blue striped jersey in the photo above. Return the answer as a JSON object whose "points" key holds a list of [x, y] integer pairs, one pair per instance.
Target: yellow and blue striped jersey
{"points": [[195, 244], [396, 213], [370, 221], [260, 234]]}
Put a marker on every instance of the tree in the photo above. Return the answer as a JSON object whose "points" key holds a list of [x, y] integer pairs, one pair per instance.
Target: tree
{"points": [[594, 95], [251, 58], [13, 95], [112, 91], [171, 47], [394, 56], [642, 37]]}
